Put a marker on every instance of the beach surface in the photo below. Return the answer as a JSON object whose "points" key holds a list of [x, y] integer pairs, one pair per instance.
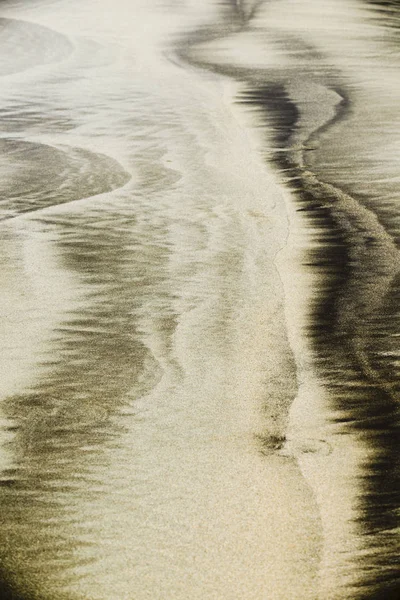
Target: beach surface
{"points": [[199, 235]]}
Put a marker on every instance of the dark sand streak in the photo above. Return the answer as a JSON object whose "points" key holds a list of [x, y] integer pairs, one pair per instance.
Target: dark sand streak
{"points": [[357, 262], [64, 422], [352, 318]]}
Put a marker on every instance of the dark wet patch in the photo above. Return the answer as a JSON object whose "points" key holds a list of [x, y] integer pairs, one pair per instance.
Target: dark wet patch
{"points": [[386, 12], [271, 443], [350, 337], [38, 176]]}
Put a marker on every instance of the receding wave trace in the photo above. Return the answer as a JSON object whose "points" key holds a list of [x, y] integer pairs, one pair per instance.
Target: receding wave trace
{"points": [[200, 285]]}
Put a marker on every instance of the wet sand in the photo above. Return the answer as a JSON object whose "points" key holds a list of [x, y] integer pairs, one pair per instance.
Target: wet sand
{"points": [[199, 289]]}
